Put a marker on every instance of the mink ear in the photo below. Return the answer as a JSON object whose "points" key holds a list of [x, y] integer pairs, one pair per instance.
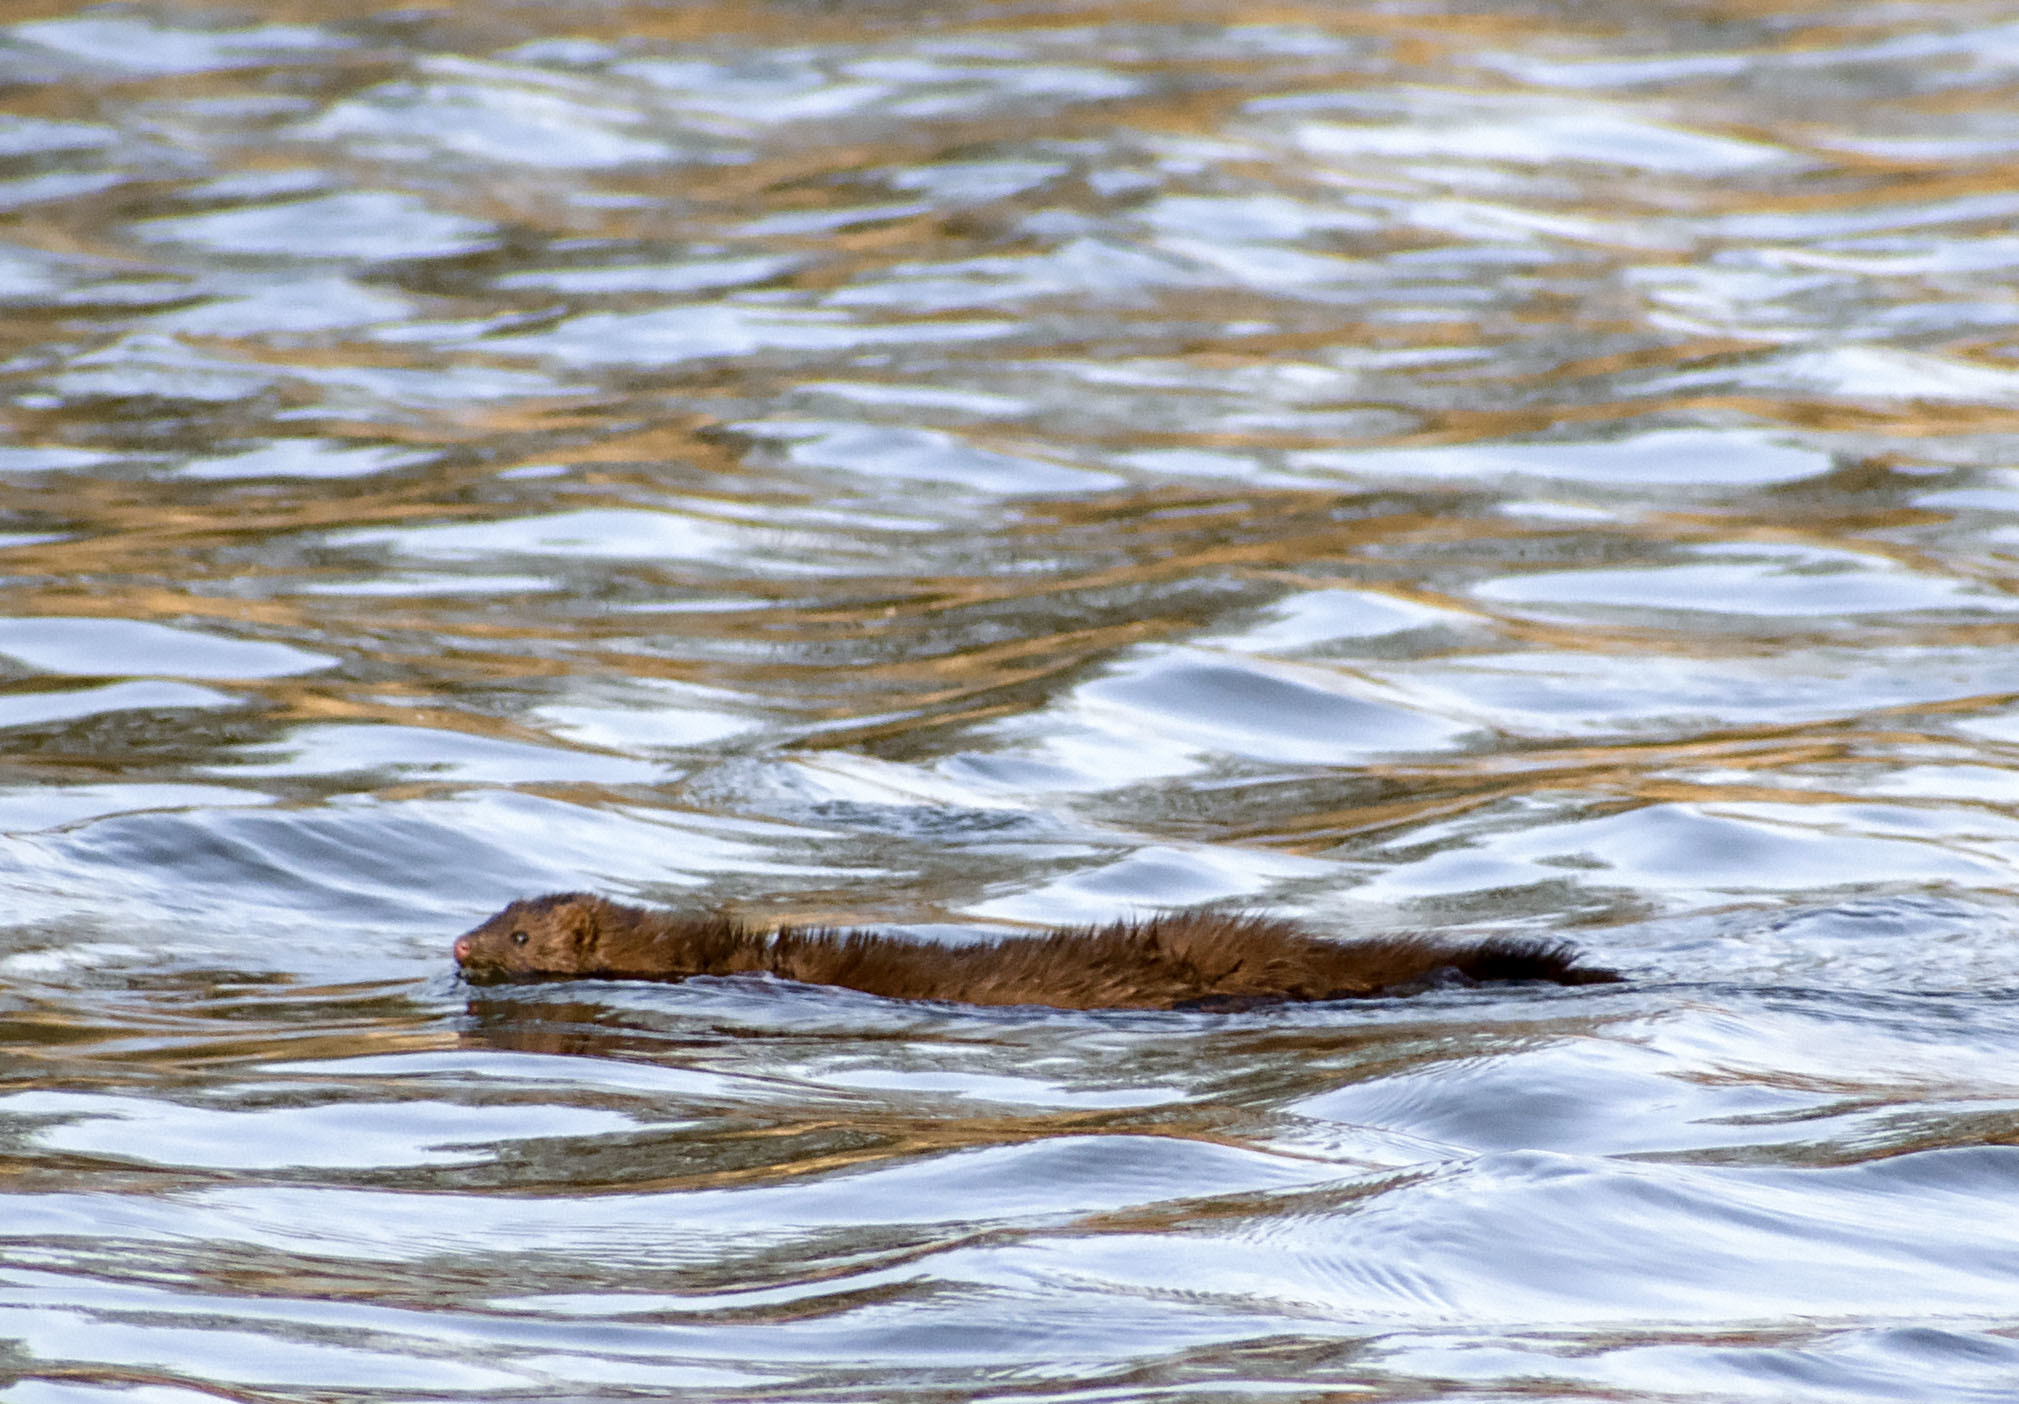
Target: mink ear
{"points": [[583, 925]]}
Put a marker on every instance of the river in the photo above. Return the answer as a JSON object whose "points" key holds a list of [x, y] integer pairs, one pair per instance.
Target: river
{"points": [[1471, 466]]}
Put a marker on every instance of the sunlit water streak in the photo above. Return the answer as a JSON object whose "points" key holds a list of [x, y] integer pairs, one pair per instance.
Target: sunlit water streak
{"points": [[1496, 467]]}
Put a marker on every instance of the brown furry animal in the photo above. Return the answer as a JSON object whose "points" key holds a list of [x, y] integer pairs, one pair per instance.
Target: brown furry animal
{"points": [[1175, 961]]}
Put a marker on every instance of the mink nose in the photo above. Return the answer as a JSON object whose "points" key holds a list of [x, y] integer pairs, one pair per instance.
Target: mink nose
{"points": [[462, 948]]}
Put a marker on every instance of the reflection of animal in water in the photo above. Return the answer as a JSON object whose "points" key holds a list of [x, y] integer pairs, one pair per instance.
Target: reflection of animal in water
{"points": [[1175, 961]]}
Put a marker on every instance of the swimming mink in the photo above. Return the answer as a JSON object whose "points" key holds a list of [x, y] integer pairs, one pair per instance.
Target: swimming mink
{"points": [[1174, 961]]}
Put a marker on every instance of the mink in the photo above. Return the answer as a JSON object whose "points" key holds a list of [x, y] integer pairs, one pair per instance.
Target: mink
{"points": [[1177, 960]]}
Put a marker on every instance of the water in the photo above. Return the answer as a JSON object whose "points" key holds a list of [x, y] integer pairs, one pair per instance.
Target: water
{"points": [[1484, 467]]}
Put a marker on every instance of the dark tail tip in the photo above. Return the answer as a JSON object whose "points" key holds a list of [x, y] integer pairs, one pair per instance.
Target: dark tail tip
{"points": [[1523, 958]]}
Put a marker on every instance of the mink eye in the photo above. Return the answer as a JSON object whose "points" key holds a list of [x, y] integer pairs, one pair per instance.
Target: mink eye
{"points": [[519, 938]]}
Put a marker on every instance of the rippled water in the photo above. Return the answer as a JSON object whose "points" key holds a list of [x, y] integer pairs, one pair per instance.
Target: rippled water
{"points": [[1464, 466]]}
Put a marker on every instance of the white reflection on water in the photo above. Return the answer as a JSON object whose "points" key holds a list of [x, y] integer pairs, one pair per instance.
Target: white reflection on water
{"points": [[671, 335], [1528, 130], [333, 1136], [1789, 581], [366, 224], [138, 44], [98, 647], [1270, 711], [600, 532], [1683, 458]]}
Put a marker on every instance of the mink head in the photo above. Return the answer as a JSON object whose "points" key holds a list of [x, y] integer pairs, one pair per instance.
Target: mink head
{"points": [[540, 936]]}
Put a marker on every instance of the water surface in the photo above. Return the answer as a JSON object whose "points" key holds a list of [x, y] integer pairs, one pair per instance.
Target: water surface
{"points": [[1494, 467]]}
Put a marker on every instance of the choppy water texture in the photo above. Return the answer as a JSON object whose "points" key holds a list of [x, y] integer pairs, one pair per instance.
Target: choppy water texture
{"points": [[1459, 466]]}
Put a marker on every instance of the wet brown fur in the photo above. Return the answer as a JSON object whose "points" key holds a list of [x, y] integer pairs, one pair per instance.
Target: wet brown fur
{"points": [[1173, 961]]}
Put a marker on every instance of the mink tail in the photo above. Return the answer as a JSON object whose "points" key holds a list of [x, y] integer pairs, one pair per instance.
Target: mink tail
{"points": [[1527, 958]]}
